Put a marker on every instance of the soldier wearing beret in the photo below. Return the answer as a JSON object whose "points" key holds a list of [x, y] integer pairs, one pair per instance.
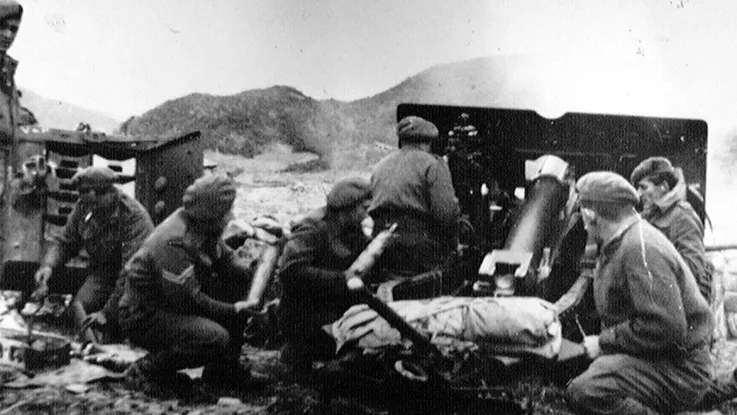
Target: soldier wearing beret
{"points": [[110, 226], [322, 246], [183, 295], [662, 190], [652, 355], [413, 188]]}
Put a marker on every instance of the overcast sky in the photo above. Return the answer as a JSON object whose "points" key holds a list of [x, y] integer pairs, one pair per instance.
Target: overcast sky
{"points": [[123, 57]]}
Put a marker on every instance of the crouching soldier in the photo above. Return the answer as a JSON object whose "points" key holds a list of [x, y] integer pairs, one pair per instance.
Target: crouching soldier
{"points": [[321, 247], [663, 192], [182, 290], [652, 355], [110, 226]]}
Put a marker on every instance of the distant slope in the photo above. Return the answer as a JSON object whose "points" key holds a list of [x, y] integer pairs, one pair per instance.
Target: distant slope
{"points": [[345, 133], [53, 113]]}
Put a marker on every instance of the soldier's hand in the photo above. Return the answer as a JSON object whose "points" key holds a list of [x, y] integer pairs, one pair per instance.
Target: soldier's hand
{"points": [[43, 274], [592, 347], [246, 307], [94, 320], [41, 292]]}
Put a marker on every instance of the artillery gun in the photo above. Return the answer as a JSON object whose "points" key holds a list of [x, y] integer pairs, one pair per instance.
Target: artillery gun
{"points": [[521, 236], [514, 173]]}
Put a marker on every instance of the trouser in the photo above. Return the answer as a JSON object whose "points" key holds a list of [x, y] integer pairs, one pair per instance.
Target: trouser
{"points": [[93, 295], [176, 341], [95, 291], [302, 329], [624, 384]]}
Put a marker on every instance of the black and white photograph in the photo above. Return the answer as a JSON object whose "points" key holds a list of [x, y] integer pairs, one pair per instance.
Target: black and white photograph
{"points": [[368, 207]]}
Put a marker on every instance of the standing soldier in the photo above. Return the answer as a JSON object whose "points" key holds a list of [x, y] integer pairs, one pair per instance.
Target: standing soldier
{"points": [[18, 218], [412, 188], [10, 16], [110, 226]]}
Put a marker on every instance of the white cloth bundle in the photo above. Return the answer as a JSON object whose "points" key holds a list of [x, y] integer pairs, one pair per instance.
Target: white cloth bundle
{"points": [[510, 326]]}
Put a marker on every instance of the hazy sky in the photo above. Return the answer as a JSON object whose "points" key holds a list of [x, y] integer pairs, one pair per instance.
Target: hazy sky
{"points": [[123, 57]]}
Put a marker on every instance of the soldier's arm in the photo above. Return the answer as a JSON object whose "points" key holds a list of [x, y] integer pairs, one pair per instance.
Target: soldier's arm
{"points": [[180, 284], [134, 232], [67, 243], [298, 266], [688, 238], [657, 321], [444, 206]]}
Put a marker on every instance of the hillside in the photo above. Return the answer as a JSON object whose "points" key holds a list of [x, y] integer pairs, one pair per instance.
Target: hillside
{"points": [[344, 133], [52, 113]]}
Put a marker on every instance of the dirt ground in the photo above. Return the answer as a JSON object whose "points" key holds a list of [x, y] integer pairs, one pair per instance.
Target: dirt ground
{"points": [[265, 190]]}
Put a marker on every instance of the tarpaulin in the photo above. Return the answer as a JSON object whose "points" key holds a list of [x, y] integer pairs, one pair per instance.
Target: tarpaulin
{"points": [[511, 326]]}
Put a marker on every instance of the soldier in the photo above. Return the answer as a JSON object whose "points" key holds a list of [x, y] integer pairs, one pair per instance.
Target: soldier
{"points": [[652, 355], [413, 188], [663, 193], [10, 17], [12, 115], [321, 247], [110, 226], [182, 294]]}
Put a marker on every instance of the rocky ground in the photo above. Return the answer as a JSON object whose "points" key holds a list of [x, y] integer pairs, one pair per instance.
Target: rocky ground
{"points": [[264, 189]]}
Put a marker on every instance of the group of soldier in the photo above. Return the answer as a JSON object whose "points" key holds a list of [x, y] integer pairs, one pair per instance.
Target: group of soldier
{"points": [[177, 289]]}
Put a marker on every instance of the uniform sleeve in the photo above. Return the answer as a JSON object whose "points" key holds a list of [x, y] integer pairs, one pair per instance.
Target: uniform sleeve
{"points": [[444, 208], [67, 243], [134, 232], [658, 320], [181, 287], [299, 274], [688, 238]]}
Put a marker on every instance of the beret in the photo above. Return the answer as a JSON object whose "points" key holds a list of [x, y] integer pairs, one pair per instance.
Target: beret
{"points": [[348, 193], [10, 8], [606, 186], [416, 129], [650, 166], [209, 198], [94, 176]]}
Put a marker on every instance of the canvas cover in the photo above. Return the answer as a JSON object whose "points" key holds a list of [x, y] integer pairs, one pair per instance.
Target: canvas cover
{"points": [[511, 326]]}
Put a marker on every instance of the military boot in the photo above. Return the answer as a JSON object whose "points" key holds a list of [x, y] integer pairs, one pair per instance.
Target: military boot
{"points": [[233, 374], [144, 375]]}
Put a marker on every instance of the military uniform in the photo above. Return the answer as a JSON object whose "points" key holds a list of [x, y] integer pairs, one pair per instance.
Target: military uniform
{"points": [[654, 341], [675, 217], [178, 298], [315, 291], [413, 188], [110, 240]]}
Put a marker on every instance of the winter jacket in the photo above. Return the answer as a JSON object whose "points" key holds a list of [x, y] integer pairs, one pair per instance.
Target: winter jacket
{"points": [[414, 183], [676, 218], [646, 296]]}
